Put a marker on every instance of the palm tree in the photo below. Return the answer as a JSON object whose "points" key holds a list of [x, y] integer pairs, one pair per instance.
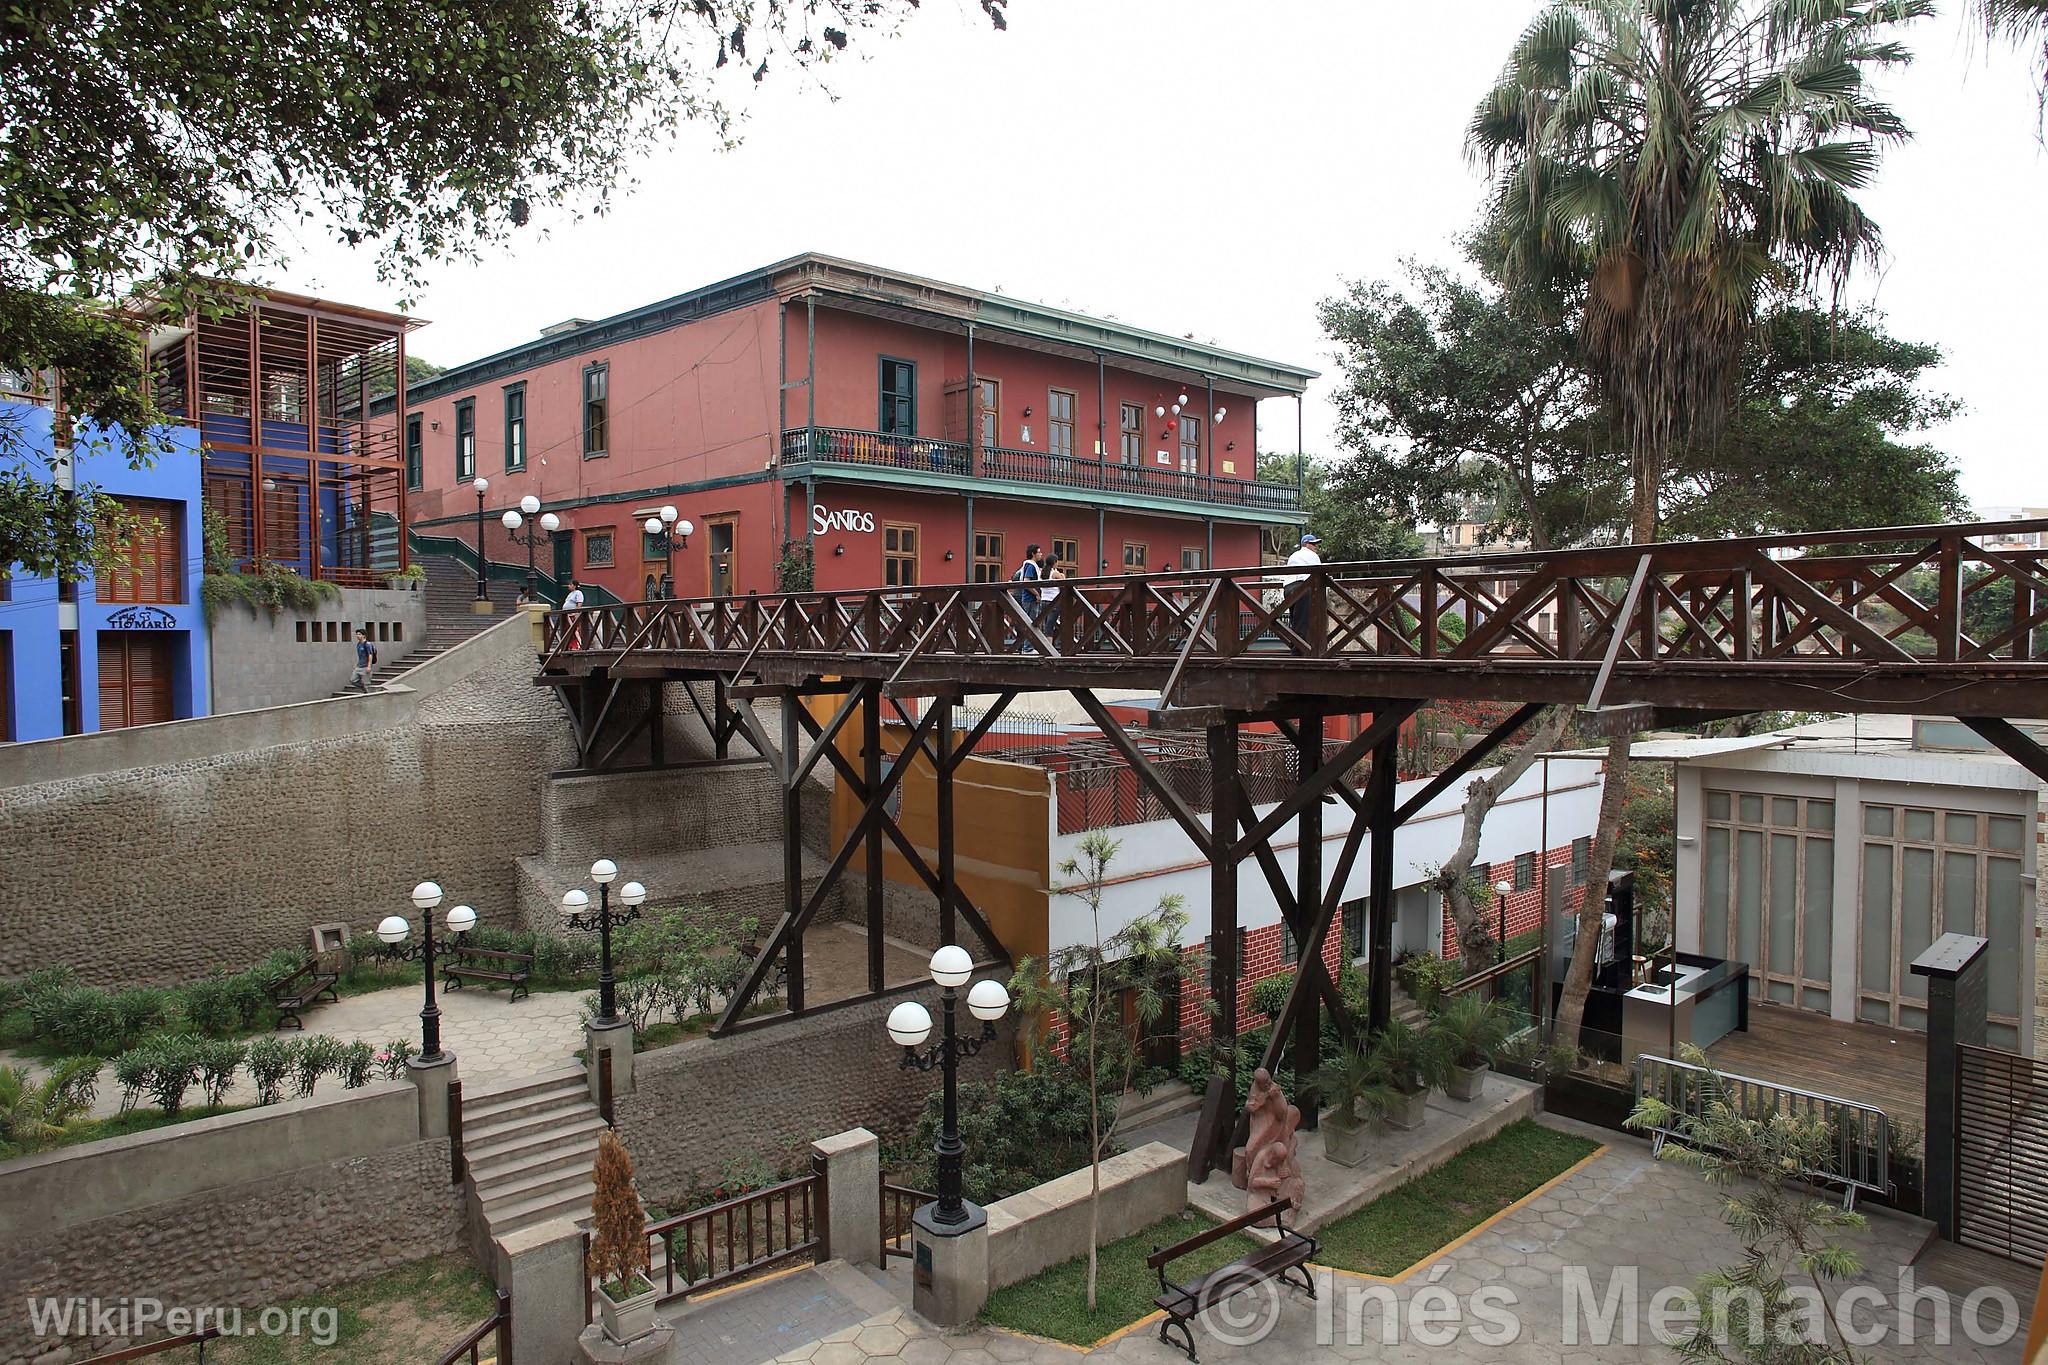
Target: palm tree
{"points": [[2024, 24], [1684, 159]]}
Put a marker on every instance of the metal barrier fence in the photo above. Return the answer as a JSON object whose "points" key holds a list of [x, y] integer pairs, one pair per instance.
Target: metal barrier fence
{"points": [[1860, 1134]]}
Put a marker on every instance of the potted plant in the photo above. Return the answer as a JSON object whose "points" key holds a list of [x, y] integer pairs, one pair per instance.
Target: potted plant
{"points": [[618, 1251], [1353, 1093], [410, 578], [1470, 1031], [1409, 1062]]}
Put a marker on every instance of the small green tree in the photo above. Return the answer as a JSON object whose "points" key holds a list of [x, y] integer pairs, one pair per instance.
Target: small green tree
{"points": [[1109, 992], [33, 1112], [1747, 1310]]}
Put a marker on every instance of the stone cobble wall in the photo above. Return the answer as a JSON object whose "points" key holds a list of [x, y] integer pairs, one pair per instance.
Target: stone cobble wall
{"points": [[242, 1246], [159, 874], [768, 1093]]}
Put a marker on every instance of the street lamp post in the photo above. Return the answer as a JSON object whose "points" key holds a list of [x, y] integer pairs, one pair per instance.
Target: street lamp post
{"points": [[395, 930], [911, 1023], [516, 517], [482, 486], [576, 914], [1501, 892], [665, 529]]}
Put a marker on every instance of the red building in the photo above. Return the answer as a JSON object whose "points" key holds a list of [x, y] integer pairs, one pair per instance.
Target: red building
{"points": [[819, 407]]}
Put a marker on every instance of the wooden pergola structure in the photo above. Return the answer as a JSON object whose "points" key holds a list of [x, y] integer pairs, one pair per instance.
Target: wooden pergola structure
{"points": [[1908, 619]]}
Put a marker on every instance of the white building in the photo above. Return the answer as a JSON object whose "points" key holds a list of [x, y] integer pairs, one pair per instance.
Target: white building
{"points": [[1830, 855]]}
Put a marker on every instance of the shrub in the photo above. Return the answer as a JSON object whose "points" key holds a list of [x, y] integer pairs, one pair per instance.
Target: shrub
{"points": [[86, 1021], [139, 1011], [1425, 976], [392, 1058], [270, 1061], [211, 1005], [33, 1113], [356, 1061], [1269, 996], [131, 1072], [1021, 1129], [218, 1059], [172, 1068], [315, 1057]]}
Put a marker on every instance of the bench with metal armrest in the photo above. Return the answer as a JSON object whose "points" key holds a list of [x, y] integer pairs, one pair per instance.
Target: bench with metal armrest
{"points": [[1271, 1263], [303, 988], [488, 964]]}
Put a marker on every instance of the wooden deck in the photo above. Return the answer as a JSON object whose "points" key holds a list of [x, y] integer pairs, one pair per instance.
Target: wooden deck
{"points": [[1861, 1062]]}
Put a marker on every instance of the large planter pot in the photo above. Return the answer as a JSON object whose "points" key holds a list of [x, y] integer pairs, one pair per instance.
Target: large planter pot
{"points": [[627, 1320], [1466, 1082], [1344, 1139], [1408, 1111]]}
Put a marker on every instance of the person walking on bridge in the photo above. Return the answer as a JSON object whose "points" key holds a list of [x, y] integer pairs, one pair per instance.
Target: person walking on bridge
{"points": [[1304, 555]]}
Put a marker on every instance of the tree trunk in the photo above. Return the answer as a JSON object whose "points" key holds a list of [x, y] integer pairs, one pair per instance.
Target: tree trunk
{"points": [[1578, 979], [1452, 879], [1094, 1158]]}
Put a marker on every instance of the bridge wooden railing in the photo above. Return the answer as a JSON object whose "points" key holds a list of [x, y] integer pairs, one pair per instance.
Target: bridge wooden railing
{"points": [[1911, 595]]}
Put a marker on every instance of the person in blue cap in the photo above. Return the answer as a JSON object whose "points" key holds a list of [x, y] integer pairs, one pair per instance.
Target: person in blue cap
{"points": [[1304, 555]]}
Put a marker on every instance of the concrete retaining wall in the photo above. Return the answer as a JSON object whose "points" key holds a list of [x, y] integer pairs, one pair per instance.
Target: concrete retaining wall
{"points": [[240, 1210], [1048, 1223], [767, 1093], [265, 659], [173, 849]]}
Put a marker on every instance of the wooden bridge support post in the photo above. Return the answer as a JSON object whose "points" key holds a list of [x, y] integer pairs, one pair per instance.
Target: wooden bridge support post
{"points": [[1379, 811], [871, 776], [943, 769], [1223, 818], [1308, 897], [792, 844]]}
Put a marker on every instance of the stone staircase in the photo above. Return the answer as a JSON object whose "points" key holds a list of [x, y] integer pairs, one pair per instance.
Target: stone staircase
{"points": [[530, 1145], [450, 591], [1404, 1008]]}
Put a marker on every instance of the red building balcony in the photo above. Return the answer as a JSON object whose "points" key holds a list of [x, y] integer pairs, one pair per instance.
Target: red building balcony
{"points": [[824, 448]]}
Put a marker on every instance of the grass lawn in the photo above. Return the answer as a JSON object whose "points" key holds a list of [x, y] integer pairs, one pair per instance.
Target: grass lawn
{"points": [[1406, 1224], [1054, 1302], [402, 1317], [139, 1121]]}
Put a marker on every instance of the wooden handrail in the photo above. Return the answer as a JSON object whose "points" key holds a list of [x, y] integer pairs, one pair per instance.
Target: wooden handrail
{"points": [[198, 1338]]}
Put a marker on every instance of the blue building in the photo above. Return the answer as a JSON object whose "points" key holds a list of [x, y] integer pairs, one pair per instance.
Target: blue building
{"points": [[126, 646]]}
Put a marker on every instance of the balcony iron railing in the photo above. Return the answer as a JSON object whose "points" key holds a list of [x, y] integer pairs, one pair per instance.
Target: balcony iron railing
{"points": [[839, 445]]}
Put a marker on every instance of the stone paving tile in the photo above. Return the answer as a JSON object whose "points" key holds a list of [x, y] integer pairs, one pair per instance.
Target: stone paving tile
{"points": [[1623, 1210]]}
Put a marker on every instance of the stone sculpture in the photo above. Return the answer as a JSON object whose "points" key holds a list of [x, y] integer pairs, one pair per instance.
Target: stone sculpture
{"points": [[1266, 1167]]}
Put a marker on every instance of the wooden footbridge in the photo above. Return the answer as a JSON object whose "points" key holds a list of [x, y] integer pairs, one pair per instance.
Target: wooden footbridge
{"points": [[1914, 619]]}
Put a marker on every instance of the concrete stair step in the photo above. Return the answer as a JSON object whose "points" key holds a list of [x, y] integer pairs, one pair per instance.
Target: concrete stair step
{"points": [[555, 1130], [510, 1199], [554, 1078], [570, 1203], [563, 1094], [489, 1139], [576, 1155]]}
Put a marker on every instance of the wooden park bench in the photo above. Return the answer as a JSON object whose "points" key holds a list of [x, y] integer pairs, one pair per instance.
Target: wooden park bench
{"points": [[1271, 1263], [302, 988], [488, 964]]}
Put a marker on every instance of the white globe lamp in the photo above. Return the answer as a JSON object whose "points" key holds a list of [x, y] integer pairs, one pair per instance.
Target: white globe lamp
{"points": [[909, 1024]]}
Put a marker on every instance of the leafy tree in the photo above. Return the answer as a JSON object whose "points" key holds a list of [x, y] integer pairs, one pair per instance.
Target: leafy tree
{"points": [[1086, 986], [1465, 895], [1814, 439], [1457, 392], [1682, 162], [1351, 525], [1750, 1310], [166, 150]]}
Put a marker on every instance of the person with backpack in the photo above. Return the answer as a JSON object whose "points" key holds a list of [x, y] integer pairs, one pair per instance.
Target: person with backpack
{"points": [[1026, 595], [366, 661]]}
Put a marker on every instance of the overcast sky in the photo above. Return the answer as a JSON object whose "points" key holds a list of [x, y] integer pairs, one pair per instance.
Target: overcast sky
{"points": [[1219, 166]]}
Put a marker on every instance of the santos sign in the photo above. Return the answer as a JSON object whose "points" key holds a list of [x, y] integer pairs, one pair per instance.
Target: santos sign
{"points": [[824, 522]]}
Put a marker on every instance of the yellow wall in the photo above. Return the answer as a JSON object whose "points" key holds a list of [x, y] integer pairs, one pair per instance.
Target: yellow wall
{"points": [[1001, 816]]}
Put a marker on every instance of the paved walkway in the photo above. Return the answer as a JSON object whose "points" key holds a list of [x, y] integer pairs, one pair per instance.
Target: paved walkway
{"points": [[1546, 1267]]}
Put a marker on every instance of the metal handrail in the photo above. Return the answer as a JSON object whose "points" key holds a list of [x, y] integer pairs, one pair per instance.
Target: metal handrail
{"points": [[1861, 1132], [198, 1338], [720, 1231], [497, 1325]]}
